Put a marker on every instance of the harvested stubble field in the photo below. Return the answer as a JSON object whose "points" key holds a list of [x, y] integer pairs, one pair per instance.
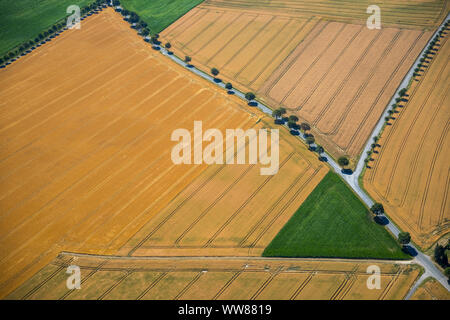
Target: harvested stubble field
{"points": [[331, 71], [430, 289], [85, 156], [216, 278], [410, 173]]}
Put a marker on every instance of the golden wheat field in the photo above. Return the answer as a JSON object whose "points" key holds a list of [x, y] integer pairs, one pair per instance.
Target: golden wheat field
{"points": [[216, 279]]}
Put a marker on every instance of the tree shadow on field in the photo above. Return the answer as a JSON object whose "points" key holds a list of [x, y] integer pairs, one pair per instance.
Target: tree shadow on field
{"points": [[279, 121], [217, 80], [323, 159], [294, 132], [230, 92], [347, 171], [253, 104]]}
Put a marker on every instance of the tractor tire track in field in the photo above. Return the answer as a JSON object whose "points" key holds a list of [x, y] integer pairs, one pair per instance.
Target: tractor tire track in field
{"points": [[46, 280], [436, 153], [265, 284], [282, 47], [118, 282], [395, 126], [205, 212], [230, 40], [236, 53], [65, 295], [246, 202], [338, 56], [198, 34], [346, 79], [188, 286], [218, 34], [312, 64], [274, 219], [303, 285], [363, 86], [294, 58], [444, 202], [225, 287], [350, 278], [174, 36], [280, 31], [390, 285], [416, 155], [152, 285], [409, 131], [394, 72], [274, 205]]}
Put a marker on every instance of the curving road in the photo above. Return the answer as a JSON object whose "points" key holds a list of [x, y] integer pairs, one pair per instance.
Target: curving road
{"points": [[352, 179]]}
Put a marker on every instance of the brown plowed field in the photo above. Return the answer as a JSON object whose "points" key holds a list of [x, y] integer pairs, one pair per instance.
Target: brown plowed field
{"points": [[410, 174], [330, 70], [216, 278], [85, 125]]}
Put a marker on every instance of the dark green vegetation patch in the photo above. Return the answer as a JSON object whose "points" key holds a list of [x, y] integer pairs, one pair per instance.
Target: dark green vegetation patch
{"points": [[333, 222], [23, 20], [159, 14]]}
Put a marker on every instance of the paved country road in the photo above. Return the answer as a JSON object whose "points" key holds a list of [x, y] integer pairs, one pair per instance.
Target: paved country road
{"points": [[352, 179]]}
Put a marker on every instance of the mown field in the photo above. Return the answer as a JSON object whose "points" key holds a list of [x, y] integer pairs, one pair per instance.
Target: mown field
{"points": [[410, 173], [309, 57], [217, 279], [159, 14], [23, 20], [333, 222]]}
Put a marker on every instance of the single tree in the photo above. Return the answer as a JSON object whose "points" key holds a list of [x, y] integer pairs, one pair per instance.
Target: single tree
{"points": [[440, 256], [404, 238], [276, 113], [250, 96], [402, 92], [320, 149], [377, 208], [293, 118], [228, 86], [282, 110], [305, 127], [168, 45], [187, 59], [292, 124], [343, 161], [310, 140], [215, 72]]}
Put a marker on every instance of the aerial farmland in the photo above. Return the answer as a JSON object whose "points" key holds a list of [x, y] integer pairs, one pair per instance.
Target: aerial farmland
{"points": [[224, 150]]}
